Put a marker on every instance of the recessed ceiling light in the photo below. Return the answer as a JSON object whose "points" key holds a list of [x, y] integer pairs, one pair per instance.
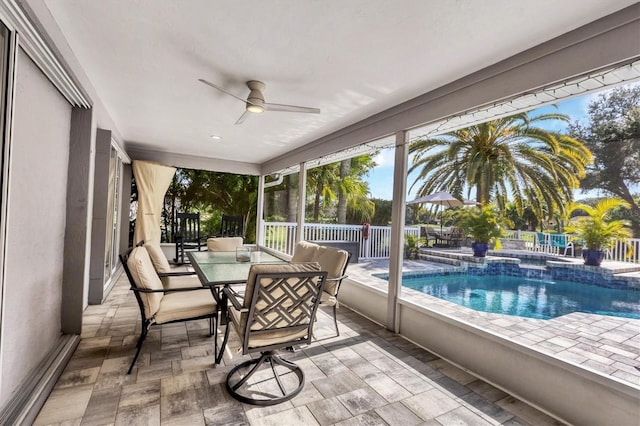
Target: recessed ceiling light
{"points": [[216, 137]]}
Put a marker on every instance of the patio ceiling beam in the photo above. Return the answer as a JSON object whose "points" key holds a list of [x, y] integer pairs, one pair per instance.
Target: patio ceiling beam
{"points": [[609, 41], [195, 162]]}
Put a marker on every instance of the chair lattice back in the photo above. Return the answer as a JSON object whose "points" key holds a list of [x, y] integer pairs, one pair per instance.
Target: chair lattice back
{"points": [[284, 301]]}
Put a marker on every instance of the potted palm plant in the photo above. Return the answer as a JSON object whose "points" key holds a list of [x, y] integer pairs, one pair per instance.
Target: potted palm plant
{"points": [[595, 231], [482, 225], [411, 250]]}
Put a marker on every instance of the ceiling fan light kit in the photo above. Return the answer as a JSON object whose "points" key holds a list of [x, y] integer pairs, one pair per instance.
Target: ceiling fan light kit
{"points": [[255, 101]]}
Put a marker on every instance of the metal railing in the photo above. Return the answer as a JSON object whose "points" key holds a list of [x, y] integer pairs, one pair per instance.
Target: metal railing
{"points": [[280, 236]]}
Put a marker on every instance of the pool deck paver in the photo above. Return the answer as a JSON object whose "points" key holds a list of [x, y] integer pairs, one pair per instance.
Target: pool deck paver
{"points": [[608, 345]]}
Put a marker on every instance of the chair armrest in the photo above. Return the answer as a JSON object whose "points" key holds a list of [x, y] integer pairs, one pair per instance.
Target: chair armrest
{"points": [[175, 274], [169, 290], [234, 299], [339, 281]]}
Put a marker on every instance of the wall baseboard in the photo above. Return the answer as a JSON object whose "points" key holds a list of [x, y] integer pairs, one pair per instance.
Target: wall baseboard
{"points": [[28, 399]]}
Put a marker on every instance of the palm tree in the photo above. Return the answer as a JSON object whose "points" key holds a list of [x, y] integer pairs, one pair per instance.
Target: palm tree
{"points": [[506, 158], [321, 183], [353, 192], [595, 229]]}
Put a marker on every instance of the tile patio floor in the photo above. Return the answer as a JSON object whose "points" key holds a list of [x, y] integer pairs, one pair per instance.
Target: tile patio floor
{"points": [[367, 376]]}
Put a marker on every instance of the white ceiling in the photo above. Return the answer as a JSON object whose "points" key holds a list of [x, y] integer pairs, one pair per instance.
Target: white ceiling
{"points": [[351, 59]]}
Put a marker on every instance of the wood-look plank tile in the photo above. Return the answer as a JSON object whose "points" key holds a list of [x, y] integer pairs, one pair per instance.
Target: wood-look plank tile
{"points": [[332, 386], [65, 404], [388, 388], [367, 419], [227, 413], [294, 416], [140, 395], [431, 404], [362, 400], [102, 407], [148, 416], [78, 377], [462, 416], [398, 414], [329, 411]]}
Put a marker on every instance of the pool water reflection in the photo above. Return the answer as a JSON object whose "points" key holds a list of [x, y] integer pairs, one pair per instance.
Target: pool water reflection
{"points": [[531, 298]]}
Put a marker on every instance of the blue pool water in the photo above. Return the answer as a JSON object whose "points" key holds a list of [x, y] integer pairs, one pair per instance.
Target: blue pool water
{"points": [[532, 298]]}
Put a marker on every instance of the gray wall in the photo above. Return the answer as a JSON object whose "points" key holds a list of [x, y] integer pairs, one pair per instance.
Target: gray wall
{"points": [[36, 225], [100, 209]]}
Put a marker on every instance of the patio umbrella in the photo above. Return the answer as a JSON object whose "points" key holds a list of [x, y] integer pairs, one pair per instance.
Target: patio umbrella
{"points": [[442, 198]]}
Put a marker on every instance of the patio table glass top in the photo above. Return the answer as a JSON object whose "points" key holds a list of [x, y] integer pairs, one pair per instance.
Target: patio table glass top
{"points": [[220, 268]]}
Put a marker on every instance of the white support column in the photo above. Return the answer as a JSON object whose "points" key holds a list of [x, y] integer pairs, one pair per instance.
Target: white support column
{"points": [[260, 213], [302, 196], [397, 228]]}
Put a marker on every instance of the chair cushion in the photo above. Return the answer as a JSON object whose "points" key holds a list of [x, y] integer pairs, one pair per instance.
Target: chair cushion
{"points": [[158, 258], [224, 243], [185, 304], [267, 338], [333, 261], [145, 276], [180, 281], [305, 251], [327, 299]]}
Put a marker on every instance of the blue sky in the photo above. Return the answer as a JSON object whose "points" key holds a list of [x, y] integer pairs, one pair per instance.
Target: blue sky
{"points": [[381, 177]]}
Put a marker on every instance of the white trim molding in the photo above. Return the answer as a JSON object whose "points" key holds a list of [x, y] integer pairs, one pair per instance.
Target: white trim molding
{"points": [[38, 50]]}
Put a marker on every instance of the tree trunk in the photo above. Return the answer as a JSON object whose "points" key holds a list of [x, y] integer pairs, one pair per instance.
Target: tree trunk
{"points": [[345, 171], [292, 198], [479, 197], [316, 204], [625, 194]]}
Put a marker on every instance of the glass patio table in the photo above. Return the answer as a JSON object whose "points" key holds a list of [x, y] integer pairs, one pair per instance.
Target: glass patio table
{"points": [[221, 269]]}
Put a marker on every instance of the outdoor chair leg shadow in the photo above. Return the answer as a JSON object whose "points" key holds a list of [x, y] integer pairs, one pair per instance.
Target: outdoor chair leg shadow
{"points": [[276, 312]]}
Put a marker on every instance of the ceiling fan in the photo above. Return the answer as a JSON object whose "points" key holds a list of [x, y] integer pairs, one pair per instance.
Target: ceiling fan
{"points": [[255, 101]]}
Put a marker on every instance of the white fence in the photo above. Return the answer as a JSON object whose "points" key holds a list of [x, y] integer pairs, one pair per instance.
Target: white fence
{"points": [[281, 236]]}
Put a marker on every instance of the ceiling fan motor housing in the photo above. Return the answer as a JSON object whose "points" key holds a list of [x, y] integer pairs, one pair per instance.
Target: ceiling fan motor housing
{"points": [[255, 100]]}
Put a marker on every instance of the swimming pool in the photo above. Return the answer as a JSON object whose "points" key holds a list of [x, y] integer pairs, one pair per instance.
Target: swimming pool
{"points": [[531, 298]]}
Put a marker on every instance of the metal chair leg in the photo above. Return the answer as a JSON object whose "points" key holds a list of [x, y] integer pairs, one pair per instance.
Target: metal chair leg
{"points": [[219, 353], [335, 319], [236, 389], [143, 335]]}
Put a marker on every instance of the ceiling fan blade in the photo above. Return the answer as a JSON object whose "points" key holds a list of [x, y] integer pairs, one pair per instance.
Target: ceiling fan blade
{"points": [[221, 89], [290, 108], [243, 117]]}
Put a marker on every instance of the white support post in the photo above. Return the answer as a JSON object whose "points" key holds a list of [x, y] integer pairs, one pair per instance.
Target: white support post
{"points": [[260, 213], [397, 228], [302, 196]]}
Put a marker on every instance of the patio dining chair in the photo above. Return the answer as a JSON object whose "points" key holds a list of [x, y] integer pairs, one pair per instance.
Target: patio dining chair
{"points": [[159, 305], [186, 235], [454, 239], [332, 260], [224, 243], [232, 226], [171, 277], [276, 312], [561, 242], [542, 242]]}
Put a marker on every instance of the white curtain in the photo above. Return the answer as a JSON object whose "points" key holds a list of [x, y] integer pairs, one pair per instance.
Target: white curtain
{"points": [[152, 181]]}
